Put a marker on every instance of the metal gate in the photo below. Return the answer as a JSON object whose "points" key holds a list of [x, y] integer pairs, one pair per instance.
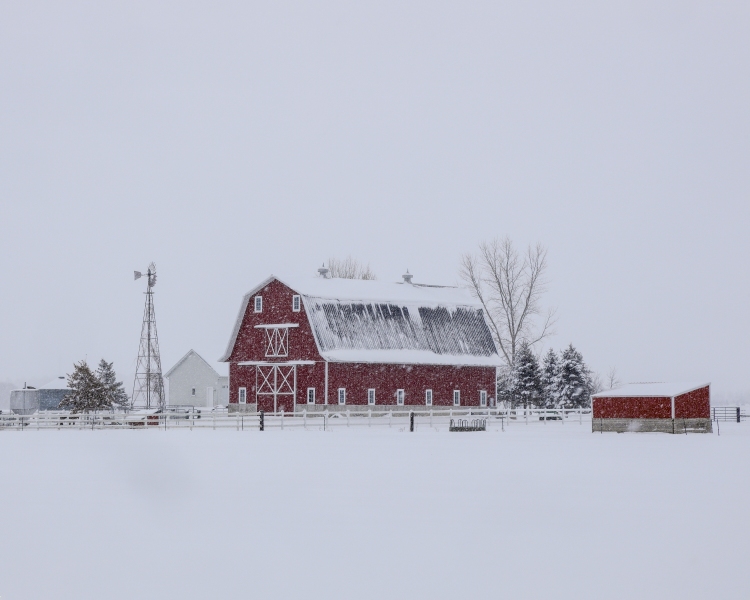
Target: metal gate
{"points": [[276, 387]]}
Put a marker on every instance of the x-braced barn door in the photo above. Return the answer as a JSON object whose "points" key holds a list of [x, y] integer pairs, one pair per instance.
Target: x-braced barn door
{"points": [[276, 387]]}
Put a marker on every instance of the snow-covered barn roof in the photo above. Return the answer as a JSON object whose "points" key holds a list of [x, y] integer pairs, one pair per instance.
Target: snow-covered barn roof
{"points": [[372, 321], [653, 390]]}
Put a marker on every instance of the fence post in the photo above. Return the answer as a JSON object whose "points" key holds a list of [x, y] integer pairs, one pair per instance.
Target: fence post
{"points": [[369, 417], [347, 417], [580, 415], [430, 418], [282, 419], [738, 414], [261, 422], [304, 418], [390, 417], [411, 421]]}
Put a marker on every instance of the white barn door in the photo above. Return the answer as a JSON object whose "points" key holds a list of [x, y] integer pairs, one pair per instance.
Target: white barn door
{"points": [[276, 387]]}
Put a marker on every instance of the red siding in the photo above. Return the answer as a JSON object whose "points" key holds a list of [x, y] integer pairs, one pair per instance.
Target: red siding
{"points": [[632, 408], [693, 405], [357, 378]]}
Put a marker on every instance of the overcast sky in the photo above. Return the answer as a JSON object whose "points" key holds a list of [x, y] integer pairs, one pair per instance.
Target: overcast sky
{"points": [[229, 141]]}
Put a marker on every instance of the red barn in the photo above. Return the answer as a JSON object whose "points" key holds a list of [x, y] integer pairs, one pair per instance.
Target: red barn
{"points": [[332, 344], [666, 407]]}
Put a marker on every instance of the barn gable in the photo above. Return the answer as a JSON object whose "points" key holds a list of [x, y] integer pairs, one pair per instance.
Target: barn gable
{"points": [[378, 322]]}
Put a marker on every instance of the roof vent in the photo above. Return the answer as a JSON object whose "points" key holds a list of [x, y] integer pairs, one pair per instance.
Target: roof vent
{"points": [[407, 276], [323, 272]]}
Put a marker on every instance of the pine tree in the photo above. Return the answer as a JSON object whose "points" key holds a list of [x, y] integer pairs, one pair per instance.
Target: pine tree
{"points": [[550, 380], [114, 392], [86, 391], [575, 379], [527, 377], [506, 387]]}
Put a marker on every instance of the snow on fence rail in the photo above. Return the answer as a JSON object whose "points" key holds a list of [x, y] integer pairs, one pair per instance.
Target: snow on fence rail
{"points": [[413, 419], [727, 413]]}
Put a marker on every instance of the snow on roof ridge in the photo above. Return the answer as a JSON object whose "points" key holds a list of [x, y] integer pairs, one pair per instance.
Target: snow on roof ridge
{"points": [[656, 389]]}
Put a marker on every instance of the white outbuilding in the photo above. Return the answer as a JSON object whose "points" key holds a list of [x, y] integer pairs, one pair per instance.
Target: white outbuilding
{"points": [[194, 382]]}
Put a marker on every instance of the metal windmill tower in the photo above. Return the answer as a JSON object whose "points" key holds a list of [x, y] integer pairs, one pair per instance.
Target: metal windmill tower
{"points": [[148, 387]]}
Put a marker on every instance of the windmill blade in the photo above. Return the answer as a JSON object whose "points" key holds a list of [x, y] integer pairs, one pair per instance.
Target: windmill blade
{"points": [[137, 275]]}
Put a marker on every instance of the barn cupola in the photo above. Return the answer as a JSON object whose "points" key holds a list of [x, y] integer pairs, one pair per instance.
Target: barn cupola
{"points": [[323, 272], [407, 276]]}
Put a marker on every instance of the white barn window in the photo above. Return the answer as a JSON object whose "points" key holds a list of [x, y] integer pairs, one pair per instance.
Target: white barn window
{"points": [[456, 397], [428, 397], [400, 397], [482, 398], [258, 304], [242, 395], [342, 395], [371, 396], [311, 395], [296, 303]]}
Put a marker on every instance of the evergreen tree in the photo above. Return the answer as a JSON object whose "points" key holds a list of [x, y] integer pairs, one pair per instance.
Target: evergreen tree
{"points": [[86, 391], [527, 377], [550, 380], [506, 387], [575, 379], [114, 392]]}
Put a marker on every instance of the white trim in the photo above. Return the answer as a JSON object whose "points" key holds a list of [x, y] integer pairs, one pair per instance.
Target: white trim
{"points": [[242, 395], [428, 397], [371, 397], [456, 397], [263, 363], [241, 316], [311, 389], [277, 326], [258, 304], [296, 301], [342, 396], [400, 396]]}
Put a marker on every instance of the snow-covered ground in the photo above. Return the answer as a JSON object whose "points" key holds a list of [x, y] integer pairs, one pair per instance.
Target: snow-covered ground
{"points": [[539, 511]]}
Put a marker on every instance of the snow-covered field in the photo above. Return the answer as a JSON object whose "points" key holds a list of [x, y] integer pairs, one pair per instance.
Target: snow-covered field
{"points": [[539, 511]]}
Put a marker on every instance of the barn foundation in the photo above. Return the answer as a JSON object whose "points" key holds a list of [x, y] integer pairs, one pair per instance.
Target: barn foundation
{"points": [[652, 425]]}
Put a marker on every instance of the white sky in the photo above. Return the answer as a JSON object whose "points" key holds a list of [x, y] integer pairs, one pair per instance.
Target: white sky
{"points": [[228, 141]]}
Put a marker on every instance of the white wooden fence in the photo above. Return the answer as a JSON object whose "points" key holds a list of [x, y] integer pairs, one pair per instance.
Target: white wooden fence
{"points": [[438, 418]]}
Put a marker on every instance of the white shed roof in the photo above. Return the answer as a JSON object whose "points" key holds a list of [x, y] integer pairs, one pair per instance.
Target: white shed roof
{"points": [[652, 389]]}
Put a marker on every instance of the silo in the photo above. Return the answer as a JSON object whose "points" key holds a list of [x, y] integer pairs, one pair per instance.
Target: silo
{"points": [[25, 401]]}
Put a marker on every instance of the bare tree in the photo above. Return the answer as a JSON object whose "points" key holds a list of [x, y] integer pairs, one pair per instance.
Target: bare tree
{"points": [[510, 286], [349, 268], [613, 380]]}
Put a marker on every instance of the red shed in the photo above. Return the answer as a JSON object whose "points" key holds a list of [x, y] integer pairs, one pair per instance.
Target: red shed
{"points": [[667, 407], [330, 344]]}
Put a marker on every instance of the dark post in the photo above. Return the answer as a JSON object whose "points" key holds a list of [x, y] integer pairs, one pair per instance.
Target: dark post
{"points": [[738, 414], [411, 421], [262, 414]]}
